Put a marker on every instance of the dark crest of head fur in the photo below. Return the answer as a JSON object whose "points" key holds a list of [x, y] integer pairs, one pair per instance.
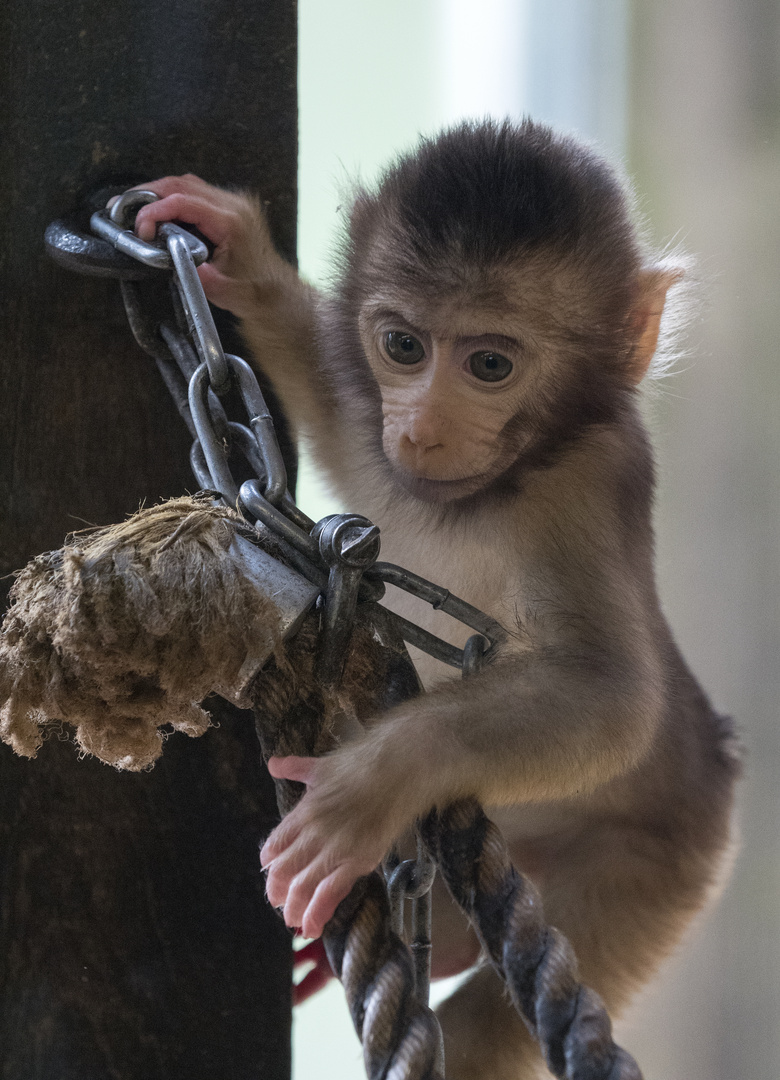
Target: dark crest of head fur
{"points": [[488, 193]]}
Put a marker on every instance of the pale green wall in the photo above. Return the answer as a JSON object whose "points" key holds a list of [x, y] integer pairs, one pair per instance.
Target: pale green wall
{"points": [[366, 84]]}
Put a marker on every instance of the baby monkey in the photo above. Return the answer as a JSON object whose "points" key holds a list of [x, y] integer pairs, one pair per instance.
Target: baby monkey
{"points": [[471, 385]]}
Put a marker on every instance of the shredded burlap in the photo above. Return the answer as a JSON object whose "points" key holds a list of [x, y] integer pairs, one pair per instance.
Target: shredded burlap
{"points": [[126, 629]]}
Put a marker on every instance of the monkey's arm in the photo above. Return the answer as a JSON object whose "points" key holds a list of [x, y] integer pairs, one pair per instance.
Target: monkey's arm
{"points": [[247, 276], [551, 724]]}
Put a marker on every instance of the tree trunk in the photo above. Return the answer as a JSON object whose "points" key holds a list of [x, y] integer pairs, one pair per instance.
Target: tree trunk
{"points": [[135, 941]]}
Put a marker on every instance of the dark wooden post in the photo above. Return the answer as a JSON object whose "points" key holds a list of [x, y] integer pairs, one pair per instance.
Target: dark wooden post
{"points": [[135, 942]]}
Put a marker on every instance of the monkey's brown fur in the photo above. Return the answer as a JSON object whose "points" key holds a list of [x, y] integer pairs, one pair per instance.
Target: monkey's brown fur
{"points": [[529, 495]]}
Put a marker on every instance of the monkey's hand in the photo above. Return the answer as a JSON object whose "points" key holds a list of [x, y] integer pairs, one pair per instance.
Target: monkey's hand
{"points": [[538, 727], [248, 276], [335, 835], [233, 222]]}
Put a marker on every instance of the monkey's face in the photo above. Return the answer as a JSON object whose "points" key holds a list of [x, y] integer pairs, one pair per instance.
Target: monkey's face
{"points": [[500, 367], [452, 382]]}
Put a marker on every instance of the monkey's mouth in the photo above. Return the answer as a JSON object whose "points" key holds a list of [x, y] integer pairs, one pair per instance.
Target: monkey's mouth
{"points": [[440, 491]]}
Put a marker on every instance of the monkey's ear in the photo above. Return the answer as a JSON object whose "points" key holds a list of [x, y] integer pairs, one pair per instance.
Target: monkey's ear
{"points": [[646, 318]]}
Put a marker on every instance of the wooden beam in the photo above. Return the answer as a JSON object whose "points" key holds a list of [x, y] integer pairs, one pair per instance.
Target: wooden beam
{"points": [[135, 942]]}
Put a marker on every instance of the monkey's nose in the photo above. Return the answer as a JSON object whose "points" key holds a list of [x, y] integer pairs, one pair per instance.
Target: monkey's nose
{"points": [[420, 443], [423, 431], [417, 450]]}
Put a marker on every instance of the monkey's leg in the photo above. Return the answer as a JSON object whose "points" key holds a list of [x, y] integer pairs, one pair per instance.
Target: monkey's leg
{"points": [[624, 895]]}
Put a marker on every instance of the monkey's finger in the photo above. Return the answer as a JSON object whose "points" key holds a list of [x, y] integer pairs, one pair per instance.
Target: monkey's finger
{"points": [[328, 895], [216, 222], [187, 183], [281, 869], [301, 769], [277, 884], [285, 834], [296, 854], [168, 185], [301, 891]]}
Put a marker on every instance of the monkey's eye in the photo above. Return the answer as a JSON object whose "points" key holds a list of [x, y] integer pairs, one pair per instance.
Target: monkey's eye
{"points": [[490, 366], [404, 348]]}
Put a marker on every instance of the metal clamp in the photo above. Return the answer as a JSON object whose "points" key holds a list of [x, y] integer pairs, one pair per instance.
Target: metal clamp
{"points": [[348, 545]]}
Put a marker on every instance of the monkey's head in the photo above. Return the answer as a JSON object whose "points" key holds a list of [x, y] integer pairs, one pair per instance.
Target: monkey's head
{"points": [[496, 299]]}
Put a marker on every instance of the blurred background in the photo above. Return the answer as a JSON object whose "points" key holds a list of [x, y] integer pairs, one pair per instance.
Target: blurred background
{"points": [[686, 95]]}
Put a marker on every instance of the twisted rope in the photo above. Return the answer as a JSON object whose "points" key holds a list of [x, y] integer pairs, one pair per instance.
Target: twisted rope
{"points": [[401, 1037], [535, 960]]}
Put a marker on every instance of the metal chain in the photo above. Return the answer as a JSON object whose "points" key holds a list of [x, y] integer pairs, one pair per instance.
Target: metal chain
{"points": [[187, 349], [401, 1036], [385, 983]]}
